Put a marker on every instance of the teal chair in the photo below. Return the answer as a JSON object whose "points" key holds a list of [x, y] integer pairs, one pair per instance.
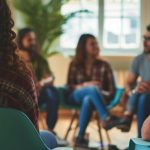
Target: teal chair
{"points": [[18, 133], [75, 109], [139, 144]]}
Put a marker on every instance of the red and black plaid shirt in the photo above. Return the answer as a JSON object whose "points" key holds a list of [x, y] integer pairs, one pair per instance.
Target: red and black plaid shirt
{"points": [[17, 90], [101, 71]]}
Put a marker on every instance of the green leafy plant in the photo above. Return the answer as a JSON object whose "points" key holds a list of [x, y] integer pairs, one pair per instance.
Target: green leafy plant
{"points": [[46, 20]]}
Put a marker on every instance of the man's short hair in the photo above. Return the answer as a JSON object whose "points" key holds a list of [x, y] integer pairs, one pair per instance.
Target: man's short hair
{"points": [[148, 28]]}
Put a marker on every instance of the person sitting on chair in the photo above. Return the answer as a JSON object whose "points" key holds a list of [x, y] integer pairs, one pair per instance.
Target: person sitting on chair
{"points": [[44, 78], [17, 88], [29, 52], [138, 91], [91, 85]]}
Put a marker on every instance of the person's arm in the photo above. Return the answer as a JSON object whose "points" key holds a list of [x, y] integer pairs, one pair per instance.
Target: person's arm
{"points": [[109, 79], [71, 81], [132, 76], [146, 130], [48, 76], [131, 79]]}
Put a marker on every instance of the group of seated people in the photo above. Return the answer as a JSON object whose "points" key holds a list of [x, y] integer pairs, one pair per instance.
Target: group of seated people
{"points": [[90, 83]]}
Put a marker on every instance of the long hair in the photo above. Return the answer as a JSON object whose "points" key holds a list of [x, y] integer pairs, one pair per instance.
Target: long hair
{"points": [[21, 34], [7, 35], [81, 53]]}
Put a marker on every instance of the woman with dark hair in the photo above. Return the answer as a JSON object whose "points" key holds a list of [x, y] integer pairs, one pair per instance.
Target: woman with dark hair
{"points": [[29, 52], [44, 78], [17, 88], [91, 85]]}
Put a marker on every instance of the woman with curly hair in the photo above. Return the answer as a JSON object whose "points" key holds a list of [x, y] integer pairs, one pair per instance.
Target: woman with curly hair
{"points": [[17, 88]]}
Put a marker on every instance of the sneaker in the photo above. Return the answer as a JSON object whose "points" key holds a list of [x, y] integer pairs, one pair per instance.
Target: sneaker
{"points": [[112, 147], [61, 142], [124, 125], [111, 122], [81, 142]]}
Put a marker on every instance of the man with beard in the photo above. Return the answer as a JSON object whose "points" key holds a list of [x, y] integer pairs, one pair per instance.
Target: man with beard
{"points": [[138, 88], [44, 78]]}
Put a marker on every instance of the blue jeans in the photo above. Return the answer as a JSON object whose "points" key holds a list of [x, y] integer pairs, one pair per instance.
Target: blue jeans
{"points": [[49, 97], [141, 104], [48, 139], [143, 110], [90, 99]]}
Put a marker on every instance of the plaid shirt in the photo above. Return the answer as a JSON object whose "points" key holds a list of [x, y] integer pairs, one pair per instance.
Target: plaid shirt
{"points": [[101, 71], [17, 90]]}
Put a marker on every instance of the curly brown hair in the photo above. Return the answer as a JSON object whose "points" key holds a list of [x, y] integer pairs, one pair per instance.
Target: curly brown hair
{"points": [[7, 35]]}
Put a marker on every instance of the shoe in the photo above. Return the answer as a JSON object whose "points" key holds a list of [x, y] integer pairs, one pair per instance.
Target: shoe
{"points": [[111, 122], [112, 147], [124, 125], [81, 142], [61, 142]]}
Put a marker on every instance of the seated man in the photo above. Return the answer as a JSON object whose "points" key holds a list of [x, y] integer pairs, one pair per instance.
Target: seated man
{"points": [[138, 92], [146, 130]]}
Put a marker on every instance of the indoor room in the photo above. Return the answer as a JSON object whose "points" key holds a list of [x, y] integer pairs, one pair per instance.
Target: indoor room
{"points": [[75, 74]]}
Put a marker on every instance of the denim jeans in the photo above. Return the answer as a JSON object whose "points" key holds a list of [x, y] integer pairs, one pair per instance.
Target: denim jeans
{"points": [[143, 110], [132, 103], [48, 139], [141, 104], [49, 97], [90, 99]]}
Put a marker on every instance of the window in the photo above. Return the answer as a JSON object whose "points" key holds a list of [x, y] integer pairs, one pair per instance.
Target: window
{"points": [[121, 24], [82, 23], [120, 21]]}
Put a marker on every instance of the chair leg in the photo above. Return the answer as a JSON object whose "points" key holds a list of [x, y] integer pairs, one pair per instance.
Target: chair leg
{"points": [[75, 130], [74, 116], [100, 133], [108, 137]]}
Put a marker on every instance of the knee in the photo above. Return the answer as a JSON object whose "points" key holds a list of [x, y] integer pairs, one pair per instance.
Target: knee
{"points": [[144, 99], [92, 89], [49, 139], [87, 102], [146, 130]]}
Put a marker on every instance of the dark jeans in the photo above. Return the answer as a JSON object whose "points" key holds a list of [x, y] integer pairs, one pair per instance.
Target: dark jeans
{"points": [[139, 103], [90, 99], [49, 139], [143, 110], [49, 97]]}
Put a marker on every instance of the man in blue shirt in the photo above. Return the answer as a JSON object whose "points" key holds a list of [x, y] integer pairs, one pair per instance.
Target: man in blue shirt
{"points": [[138, 88]]}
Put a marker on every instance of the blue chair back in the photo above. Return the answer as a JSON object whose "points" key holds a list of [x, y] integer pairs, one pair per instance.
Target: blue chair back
{"points": [[116, 99]]}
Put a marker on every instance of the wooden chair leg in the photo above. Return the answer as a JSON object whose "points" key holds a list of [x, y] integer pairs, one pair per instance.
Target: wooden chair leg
{"points": [[74, 116], [100, 133], [75, 130], [108, 137]]}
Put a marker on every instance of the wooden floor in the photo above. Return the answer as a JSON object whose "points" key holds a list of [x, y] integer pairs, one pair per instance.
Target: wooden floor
{"points": [[118, 138]]}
